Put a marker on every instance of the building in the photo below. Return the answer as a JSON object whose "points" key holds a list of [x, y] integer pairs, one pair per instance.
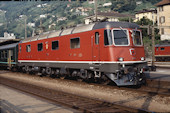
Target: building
{"points": [[7, 36], [107, 4], [112, 16], [42, 16], [151, 14], [61, 19], [31, 24], [139, 2], [163, 18]]}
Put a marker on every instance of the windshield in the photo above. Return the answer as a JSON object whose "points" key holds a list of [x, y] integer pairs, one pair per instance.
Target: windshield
{"points": [[120, 37], [137, 38]]}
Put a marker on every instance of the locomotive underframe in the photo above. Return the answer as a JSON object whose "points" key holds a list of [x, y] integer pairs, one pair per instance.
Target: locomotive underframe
{"points": [[129, 74], [121, 74], [162, 58]]}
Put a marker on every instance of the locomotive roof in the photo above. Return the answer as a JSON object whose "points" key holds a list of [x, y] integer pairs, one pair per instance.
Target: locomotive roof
{"points": [[162, 45], [79, 29]]}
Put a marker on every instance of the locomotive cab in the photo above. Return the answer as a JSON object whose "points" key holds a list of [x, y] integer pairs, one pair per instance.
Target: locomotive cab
{"points": [[128, 54]]}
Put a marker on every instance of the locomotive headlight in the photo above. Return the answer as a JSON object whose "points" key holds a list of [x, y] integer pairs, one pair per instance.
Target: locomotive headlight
{"points": [[142, 58], [120, 59]]}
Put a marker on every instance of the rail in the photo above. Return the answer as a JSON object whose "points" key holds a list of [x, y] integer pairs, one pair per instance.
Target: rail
{"points": [[73, 101]]}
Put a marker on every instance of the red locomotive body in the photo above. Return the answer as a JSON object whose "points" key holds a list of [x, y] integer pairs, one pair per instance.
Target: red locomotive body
{"points": [[162, 52], [110, 49]]}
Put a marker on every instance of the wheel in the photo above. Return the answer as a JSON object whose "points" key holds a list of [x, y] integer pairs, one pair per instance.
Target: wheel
{"points": [[48, 71]]}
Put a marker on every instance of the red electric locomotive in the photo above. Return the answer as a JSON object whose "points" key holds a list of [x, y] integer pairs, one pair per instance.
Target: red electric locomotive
{"points": [[103, 50], [162, 51]]}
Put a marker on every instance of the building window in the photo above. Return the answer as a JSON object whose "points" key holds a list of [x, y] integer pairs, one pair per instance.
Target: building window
{"points": [[40, 47], [162, 31], [162, 19], [55, 45], [28, 48], [161, 8], [74, 43], [108, 37], [96, 38]]}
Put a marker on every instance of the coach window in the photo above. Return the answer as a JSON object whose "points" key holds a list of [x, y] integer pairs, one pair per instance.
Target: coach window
{"points": [[55, 45], [96, 38], [6, 53], [162, 48], [28, 48], [120, 37], [107, 37], [40, 47], [2, 56], [75, 43]]}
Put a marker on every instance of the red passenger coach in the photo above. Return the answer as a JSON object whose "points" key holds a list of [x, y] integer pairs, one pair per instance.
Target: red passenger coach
{"points": [[162, 52], [104, 50]]}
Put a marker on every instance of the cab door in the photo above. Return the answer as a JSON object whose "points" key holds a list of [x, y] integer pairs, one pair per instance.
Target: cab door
{"points": [[96, 47]]}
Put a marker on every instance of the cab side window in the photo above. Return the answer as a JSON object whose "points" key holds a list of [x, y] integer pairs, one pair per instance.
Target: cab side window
{"points": [[108, 37], [28, 48], [96, 38]]}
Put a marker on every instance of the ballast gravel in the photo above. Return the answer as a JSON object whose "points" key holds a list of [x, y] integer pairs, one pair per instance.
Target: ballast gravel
{"points": [[153, 103]]}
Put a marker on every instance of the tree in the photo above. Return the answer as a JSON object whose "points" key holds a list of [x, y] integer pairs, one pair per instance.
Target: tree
{"points": [[147, 37]]}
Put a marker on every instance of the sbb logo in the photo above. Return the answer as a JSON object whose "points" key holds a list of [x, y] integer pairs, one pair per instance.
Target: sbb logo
{"points": [[132, 51]]}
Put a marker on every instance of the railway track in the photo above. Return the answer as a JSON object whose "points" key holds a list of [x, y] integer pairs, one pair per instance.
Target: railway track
{"points": [[152, 87], [73, 101], [164, 65]]}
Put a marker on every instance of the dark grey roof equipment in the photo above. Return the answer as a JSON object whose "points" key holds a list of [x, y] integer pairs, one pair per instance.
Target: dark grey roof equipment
{"points": [[82, 28], [115, 25]]}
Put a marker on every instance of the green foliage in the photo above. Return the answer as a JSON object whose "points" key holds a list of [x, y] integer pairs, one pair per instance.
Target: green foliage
{"points": [[147, 38], [145, 5], [125, 19], [144, 21], [56, 9]]}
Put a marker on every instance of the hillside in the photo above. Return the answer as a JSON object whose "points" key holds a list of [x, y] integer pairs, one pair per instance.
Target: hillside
{"points": [[55, 14]]}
